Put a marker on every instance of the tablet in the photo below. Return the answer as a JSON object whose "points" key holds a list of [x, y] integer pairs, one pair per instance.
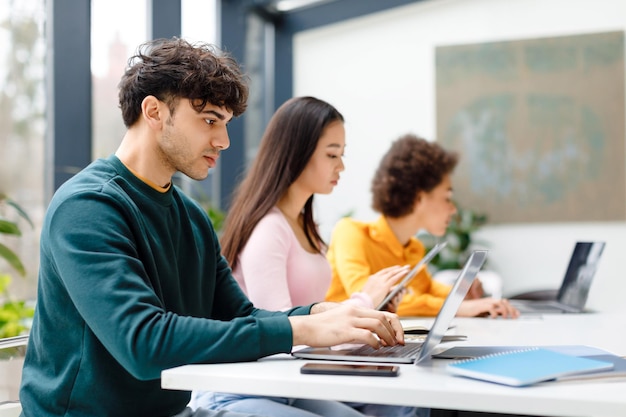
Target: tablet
{"points": [[408, 277]]}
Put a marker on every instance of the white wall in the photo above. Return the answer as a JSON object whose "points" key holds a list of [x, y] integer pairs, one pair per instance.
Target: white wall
{"points": [[379, 72]]}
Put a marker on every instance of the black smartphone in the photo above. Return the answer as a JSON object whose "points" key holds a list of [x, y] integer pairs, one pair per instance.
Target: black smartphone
{"points": [[350, 369]]}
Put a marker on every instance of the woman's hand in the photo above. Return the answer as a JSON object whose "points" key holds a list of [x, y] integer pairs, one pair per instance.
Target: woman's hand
{"points": [[392, 306], [476, 290], [379, 284], [487, 307]]}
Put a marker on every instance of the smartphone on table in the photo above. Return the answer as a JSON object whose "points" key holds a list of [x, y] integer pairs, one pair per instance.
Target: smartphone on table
{"points": [[349, 369]]}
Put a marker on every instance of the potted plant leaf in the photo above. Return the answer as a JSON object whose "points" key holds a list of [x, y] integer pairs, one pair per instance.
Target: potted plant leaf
{"points": [[461, 241], [15, 315], [459, 236]]}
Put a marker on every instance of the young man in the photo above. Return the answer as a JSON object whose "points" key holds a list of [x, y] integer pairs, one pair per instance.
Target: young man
{"points": [[131, 277]]}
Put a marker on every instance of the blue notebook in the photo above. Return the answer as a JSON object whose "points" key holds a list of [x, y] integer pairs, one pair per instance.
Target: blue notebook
{"points": [[525, 367]]}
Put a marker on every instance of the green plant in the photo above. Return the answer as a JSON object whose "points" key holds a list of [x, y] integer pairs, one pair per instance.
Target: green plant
{"points": [[216, 215], [14, 314], [459, 236]]}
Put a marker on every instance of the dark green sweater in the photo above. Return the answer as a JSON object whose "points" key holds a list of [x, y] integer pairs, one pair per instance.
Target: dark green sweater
{"points": [[132, 282]]}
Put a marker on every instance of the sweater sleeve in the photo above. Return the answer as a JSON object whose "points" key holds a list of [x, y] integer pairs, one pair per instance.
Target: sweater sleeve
{"points": [[360, 299], [107, 267], [263, 264]]}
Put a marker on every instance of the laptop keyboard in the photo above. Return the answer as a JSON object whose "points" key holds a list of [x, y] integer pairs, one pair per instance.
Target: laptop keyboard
{"points": [[398, 351], [537, 306], [544, 306]]}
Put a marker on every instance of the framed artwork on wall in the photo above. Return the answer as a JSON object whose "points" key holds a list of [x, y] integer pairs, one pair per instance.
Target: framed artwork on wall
{"points": [[539, 125]]}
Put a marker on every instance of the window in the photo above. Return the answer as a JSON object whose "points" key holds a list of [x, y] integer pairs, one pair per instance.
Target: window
{"points": [[22, 127]]}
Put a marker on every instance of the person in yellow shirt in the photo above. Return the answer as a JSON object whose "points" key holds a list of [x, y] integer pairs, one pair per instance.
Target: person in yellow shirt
{"points": [[412, 190]]}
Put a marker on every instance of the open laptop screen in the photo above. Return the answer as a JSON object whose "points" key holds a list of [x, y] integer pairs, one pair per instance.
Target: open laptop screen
{"points": [[411, 351], [452, 303], [580, 271]]}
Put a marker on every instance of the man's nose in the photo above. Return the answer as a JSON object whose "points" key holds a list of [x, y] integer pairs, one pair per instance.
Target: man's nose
{"points": [[221, 141]]}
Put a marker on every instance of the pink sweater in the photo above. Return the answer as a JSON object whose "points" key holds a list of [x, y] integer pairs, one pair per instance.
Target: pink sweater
{"points": [[277, 273]]}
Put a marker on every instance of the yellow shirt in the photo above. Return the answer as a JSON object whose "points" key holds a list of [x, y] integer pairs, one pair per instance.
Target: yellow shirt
{"points": [[358, 250]]}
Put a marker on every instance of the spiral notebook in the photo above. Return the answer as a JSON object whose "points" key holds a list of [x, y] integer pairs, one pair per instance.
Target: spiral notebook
{"points": [[525, 367]]}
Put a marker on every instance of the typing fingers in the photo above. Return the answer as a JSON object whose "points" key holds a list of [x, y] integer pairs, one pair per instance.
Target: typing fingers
{"points": [[385, 326]]}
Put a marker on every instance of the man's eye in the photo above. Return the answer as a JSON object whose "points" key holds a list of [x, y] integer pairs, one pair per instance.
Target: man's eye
{"points": [[209, 121]]}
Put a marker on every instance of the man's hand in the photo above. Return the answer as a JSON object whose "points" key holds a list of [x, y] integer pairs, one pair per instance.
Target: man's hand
{"points": [[487, 307], [347, 324], [323, 306]]}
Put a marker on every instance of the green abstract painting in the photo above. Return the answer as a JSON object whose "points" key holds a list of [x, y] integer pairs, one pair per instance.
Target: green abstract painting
{"points": [[539, 126]]}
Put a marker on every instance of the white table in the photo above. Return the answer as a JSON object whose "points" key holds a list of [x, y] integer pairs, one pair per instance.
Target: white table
{"points": [[431, 386]]}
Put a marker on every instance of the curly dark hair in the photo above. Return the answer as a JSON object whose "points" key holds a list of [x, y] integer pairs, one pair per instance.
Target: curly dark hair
{"points": [[170, 69], [411, 165]]}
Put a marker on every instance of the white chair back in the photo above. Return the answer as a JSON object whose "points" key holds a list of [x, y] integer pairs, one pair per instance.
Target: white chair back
{"points": [[10, 409]]}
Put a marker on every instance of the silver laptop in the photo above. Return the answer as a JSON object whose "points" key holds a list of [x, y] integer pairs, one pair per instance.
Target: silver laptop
{"points": [[411, 352], [572, 295], [408, 277]]}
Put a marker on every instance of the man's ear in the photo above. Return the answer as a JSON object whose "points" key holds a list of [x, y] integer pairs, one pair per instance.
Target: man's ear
{"points": [[153, 112]]}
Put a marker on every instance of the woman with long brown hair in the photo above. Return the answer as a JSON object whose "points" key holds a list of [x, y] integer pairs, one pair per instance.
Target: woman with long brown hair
{"points": [[273, 244]]}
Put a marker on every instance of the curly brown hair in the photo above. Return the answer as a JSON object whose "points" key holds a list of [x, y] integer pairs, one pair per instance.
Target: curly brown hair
{"points": [[170, 69], [411, 165]]}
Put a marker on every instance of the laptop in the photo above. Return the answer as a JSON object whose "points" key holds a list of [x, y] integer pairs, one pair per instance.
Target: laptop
{"points": [[572, 295], [411, 352], [408, 277]]}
